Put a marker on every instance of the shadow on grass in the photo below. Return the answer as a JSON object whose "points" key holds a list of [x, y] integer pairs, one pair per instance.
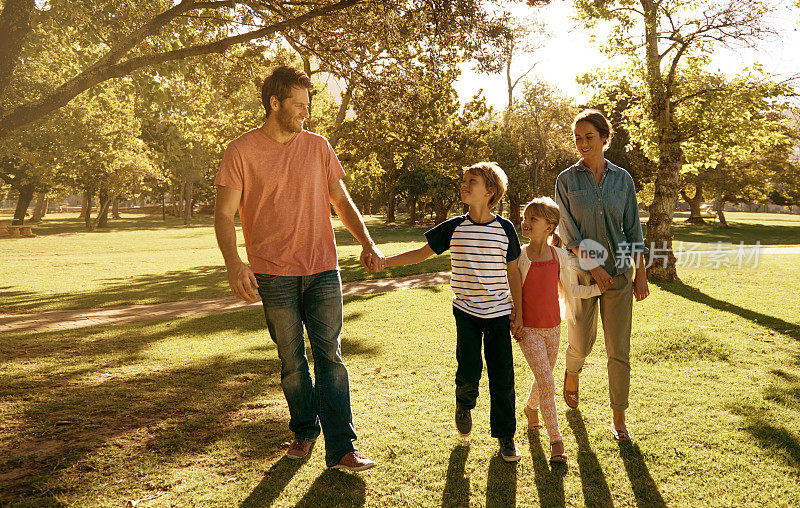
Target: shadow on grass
{"points": [[737, 232], [195, 283], [644, 487], [94, 395], [273, 483], [593, 480], [762, 423], [335, 488], [199, 282], [456, 488], [55, 224], [501, 483], [695, 295], [549, 483]]}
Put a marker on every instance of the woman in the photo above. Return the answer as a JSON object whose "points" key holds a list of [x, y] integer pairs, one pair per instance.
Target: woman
{"points": [[600, 226]]}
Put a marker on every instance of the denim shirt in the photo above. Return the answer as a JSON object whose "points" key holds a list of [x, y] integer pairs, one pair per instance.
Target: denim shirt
{"points": [[607, 213]]}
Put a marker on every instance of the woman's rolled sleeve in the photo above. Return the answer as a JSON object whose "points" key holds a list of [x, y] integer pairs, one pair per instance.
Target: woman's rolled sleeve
{"points": [[567, 226], [632, 223]]}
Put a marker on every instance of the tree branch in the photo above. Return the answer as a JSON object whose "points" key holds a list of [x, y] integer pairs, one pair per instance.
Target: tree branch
{"points": [[100, 72]]}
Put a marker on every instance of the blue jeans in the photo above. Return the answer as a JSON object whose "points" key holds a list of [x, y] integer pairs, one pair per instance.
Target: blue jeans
{"points": [[316, 302]]}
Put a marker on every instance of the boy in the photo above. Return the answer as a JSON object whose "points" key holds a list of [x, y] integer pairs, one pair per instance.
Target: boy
{"points": [[484, 249]]}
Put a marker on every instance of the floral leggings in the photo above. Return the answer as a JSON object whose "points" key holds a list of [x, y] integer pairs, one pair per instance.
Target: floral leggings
{"points": [[540, 347]]}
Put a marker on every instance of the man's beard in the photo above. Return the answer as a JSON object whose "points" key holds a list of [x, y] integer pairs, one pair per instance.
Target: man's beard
{"points": [[286, 121]]}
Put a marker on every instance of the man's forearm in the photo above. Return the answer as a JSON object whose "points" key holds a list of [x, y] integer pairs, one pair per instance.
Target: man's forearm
{"points": [[226, 239], [352, 220]]}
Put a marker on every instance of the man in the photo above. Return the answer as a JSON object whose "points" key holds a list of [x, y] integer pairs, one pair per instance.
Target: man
{"points": [[283, 179]]}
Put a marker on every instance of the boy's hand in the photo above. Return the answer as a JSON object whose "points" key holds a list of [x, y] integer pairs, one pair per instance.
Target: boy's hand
{"points": [[516, 326]]}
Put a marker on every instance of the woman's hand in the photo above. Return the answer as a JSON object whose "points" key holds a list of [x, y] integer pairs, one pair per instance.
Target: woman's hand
{"points": [[602, 278], [640, 288]]}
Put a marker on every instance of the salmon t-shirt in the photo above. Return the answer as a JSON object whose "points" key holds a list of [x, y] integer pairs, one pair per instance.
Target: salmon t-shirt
{"points": [[285, 206]]}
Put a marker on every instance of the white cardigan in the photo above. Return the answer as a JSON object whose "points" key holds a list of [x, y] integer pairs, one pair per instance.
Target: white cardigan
{"points": [[568, 284]]}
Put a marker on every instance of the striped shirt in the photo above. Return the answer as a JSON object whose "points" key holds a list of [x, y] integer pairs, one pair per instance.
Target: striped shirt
{"points": [[479, 254]]}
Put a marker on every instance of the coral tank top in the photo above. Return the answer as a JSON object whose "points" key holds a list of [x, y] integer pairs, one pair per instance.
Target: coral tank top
{"points": [[540, 307]]}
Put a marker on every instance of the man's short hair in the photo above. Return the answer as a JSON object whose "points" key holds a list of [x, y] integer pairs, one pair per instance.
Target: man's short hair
{"points": [[280, 84], [495, 178]]}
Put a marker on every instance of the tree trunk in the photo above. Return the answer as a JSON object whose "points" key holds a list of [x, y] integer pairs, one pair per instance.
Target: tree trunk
{"points": [[412, 210], [84, 205], [513, 209], [87, 217], [667, 183], [535, 179], [719, 205], [104, 201], [391, 206], [500, 208], [695, 214], [115, 209], [341, 114], [662, 210], [41, 207], [188, 187], [23, 202]]}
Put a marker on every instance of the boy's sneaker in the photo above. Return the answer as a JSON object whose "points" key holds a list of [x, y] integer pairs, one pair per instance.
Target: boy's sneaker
{"points": [[463, 421], [354, 461], [508, 450]]}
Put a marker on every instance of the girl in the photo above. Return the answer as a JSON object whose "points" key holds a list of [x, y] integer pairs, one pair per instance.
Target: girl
{"points": [[546, 277]]}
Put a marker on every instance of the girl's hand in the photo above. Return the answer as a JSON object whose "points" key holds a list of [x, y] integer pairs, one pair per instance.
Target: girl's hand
{"points": [[602, 278], [640, 287], [516, 327]]}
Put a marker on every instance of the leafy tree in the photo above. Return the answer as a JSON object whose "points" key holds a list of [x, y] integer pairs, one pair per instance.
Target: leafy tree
{"points": [[667, 33]]}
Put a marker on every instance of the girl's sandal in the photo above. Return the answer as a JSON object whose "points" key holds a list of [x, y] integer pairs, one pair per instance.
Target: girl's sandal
{"points": [[533, 418], [559, 458]]}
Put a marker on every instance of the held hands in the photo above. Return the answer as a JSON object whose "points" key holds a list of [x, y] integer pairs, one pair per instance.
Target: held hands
{"points": [[242, 280], [602, 278], [516, 325], [372, 259]]}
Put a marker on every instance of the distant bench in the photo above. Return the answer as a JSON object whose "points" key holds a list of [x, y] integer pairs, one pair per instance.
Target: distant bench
{"points": [[17, 231]]}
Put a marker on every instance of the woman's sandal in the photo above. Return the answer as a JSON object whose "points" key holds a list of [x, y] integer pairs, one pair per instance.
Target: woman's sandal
{"points": [[620, 436], [560, 458], [532, 415], [570, 396]]}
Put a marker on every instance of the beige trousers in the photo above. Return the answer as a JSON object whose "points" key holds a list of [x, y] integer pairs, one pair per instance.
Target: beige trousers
{"points": [[616, 306]]}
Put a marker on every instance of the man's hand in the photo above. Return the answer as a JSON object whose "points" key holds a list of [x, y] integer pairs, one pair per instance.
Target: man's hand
{"points": [[372, 258], [602, 278], [242, 280]]}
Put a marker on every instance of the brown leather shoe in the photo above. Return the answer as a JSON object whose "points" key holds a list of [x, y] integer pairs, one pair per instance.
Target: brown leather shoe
{"points": [[570, 396], [299, 449], [354, 461]]}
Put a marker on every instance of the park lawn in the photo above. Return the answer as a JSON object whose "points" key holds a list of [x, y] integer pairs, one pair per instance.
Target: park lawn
{"points": [[191, 412], [144, 260]]}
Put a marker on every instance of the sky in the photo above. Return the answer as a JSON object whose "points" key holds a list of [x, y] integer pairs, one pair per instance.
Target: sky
{"points": [[568, 52]]}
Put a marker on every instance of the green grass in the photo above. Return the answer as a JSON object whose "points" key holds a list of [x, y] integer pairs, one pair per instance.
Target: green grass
{"points": [[144, 260], [191, 410]]}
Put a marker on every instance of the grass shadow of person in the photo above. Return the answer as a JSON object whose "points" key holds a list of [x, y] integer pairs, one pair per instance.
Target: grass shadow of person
{"points": [[456, 488], [335, 488], [549, 482], [273, 483], [644, 487], [694, 294], [501, 483], [593, 480]]}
